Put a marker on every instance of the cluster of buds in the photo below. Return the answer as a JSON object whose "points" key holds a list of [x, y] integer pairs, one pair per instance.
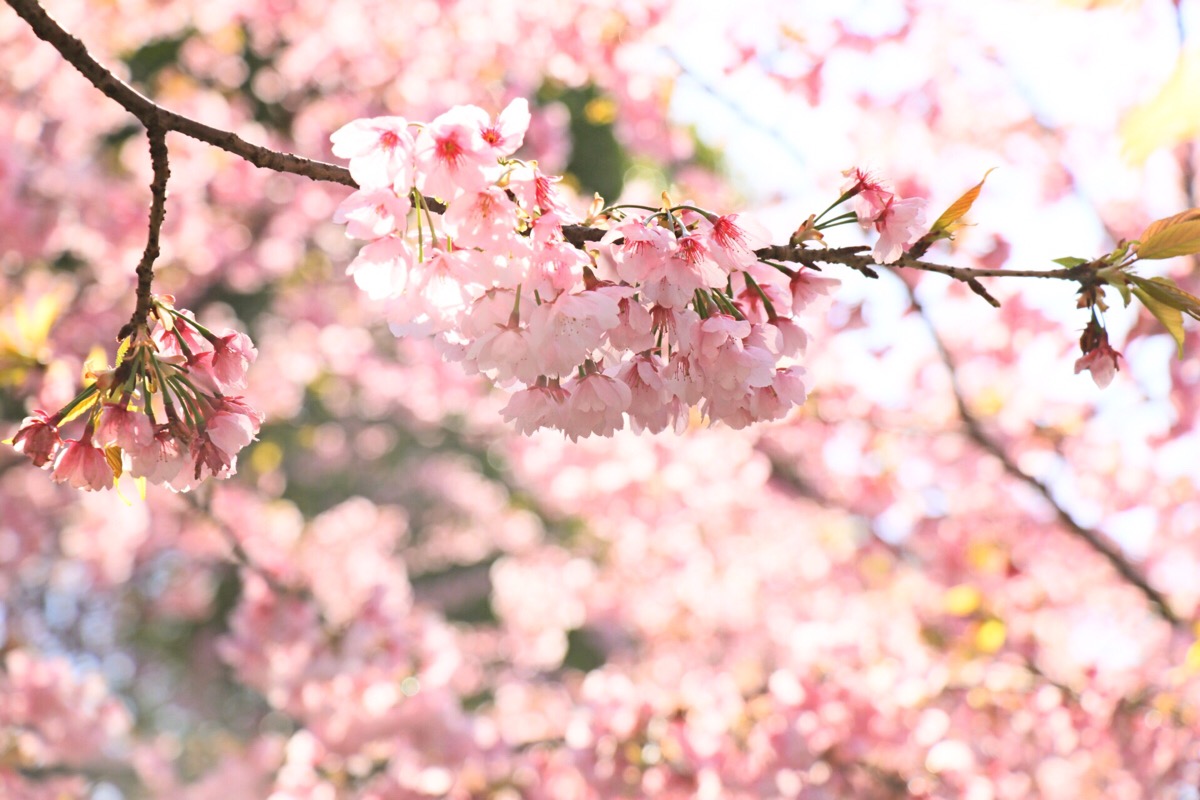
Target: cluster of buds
{"points": [[164, 413], [671, 310]]}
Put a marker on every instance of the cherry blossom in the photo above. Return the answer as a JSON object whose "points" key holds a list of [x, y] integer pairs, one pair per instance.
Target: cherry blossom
{"points": [[876, 585]]}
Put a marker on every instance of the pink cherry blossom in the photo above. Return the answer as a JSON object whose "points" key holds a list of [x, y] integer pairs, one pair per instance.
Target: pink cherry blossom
{"points": [[83, 465], [122, 426], [451, 154], [38, 438], [161, 459], [807, 286], [733, 238], [535, 191], [651, 406], [508, 351], [481, 219], [374, 213], [232, 356], [870, 197], [597, 406], [566, 331], [504, 136], [1101, 362], [900, 224], [380, 151], [543, 405], [382, 267]]}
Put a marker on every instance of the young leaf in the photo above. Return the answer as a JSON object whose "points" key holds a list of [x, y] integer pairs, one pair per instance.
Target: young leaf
{"points": [[1178, 239], [80, 409], [1171, 318], [122, 349], [958, 208], [1166, 292], [1071, 261], [1166, 222]]}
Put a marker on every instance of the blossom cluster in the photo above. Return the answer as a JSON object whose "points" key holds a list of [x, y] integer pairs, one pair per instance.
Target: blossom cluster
{"points": [[671, 310], [899, 222], [164, 413]]}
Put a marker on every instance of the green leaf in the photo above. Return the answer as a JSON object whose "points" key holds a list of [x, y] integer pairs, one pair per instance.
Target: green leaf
{"points": [[1166, 292], [80, 409], [1071, 261], [1178, 239], [1171, 318], [1123, 288], [958, 208]]}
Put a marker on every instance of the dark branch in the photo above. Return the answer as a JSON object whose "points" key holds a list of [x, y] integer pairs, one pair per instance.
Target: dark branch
{"points": [[153, 115], [158, 212], [855, 258], [1095, 540]]}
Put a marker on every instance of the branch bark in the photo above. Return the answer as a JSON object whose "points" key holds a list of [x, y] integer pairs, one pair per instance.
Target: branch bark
{"points": [[158, 212], [1093, 539]]}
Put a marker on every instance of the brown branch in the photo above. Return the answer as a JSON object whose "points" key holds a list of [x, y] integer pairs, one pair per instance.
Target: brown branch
{"points": [[153, 115], [109, 771], [1094, 539], [854, 257], [158, 212]]}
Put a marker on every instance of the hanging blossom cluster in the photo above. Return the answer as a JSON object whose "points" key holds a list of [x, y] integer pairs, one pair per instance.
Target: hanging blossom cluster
{"points": [[671, 310], [164, 413]]}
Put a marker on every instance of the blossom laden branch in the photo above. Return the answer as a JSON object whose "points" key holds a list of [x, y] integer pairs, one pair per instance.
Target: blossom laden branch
{"points": [[633, 314], [579, 235]]}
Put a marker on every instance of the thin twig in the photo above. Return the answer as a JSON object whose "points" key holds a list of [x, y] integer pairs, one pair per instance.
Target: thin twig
{"points": [[158, 212], [854, 257], [1094, 539]]}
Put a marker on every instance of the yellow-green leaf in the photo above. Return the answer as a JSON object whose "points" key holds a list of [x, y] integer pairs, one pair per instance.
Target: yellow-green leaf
{"points": [[1171, 116], [1071, 261], [1171, 318], [79, 410], [959, 207], [113, 456], [122, 349], [1180, 239], [1166, 292]]}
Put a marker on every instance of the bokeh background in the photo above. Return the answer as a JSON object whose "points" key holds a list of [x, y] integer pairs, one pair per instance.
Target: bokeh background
{"points": [[397, 597]]}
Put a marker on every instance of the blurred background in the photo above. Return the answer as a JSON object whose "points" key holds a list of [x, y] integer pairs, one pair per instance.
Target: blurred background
{"points": [[398, 597]]}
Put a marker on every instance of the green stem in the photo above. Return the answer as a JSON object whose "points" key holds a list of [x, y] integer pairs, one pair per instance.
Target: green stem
{"points": [[76, 401], [767, 304], [845, 196]]}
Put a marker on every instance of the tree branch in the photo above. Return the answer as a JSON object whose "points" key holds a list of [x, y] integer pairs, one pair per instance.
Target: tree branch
{"points": [[153, 115], [158, 212], [1094, 539]]}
